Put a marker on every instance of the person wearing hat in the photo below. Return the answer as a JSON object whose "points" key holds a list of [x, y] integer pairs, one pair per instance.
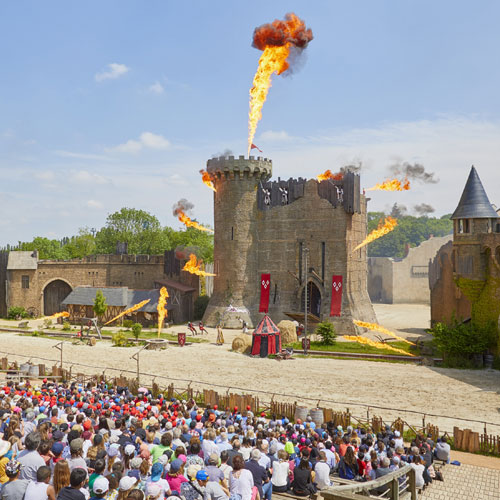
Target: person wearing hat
{"points": [[76, 450], [156, 473], [15, 488], [153, 491], [215, 474], [125, 485], [4, 460], [100, 488], [212, 490], [175, 476]]}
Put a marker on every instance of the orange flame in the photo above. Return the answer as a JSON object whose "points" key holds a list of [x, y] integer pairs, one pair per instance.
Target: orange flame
{"points": [[207, 179], [377, 328], [64, 314], [377, 345], [161, 308], [383, 228], [275, 40], [191, 223], [193, 267], [327, 174], [129, 310], [391, 185]]}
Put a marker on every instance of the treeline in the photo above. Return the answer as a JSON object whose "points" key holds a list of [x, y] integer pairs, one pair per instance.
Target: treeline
{"points": [[410, 229], [141, 230]]}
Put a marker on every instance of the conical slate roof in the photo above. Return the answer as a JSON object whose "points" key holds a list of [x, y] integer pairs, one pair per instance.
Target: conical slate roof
{"points": [[474, 203], [266, 327]]}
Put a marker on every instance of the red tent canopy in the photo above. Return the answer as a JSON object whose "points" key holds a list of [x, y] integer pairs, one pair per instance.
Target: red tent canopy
{"points": [[266, 338]]}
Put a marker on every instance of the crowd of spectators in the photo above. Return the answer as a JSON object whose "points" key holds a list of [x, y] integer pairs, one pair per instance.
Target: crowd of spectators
{"points": [[76, 442]]}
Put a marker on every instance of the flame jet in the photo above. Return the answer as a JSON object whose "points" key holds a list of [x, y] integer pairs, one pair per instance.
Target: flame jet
{"points": [[378, 328], [207, 180], [276, 40], [161, 308], [383, 228], [391, 185], [193, 266], [129, 310], [377, 345]]}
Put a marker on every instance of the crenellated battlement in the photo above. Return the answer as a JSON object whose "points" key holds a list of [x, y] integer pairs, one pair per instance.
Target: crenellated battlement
{"points": [[241, 166]]}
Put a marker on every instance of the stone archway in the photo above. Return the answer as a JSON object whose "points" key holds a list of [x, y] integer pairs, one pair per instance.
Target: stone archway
{"points": [[53, 294], [313, 299]]}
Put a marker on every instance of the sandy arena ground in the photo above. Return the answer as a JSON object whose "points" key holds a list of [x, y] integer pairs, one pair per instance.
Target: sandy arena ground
{"points": [[335, 383]]}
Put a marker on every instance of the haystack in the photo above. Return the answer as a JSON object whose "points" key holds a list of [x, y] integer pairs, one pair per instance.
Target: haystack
{"points": [[288, 331], [242, 343]]}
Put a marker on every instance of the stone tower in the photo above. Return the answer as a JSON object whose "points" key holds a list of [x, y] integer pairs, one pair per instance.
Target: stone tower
{"points": [[274, 227], [235, 215]]}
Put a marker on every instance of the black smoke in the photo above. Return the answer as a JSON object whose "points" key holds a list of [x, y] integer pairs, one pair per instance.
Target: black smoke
{"points": [[225, 153], [354, 167], [424, 209], [415, 172]]}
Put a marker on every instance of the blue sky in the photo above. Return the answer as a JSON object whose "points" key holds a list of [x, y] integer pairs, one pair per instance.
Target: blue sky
{"points": [[120, 103]]}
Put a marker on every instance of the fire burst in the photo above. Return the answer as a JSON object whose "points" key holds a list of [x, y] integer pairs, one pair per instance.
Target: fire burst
{"points": [[180, 209], [391, 185], [327, 174], [275, 40], [377, 328], [377, 345], [161, 308], [135, 307], [383, 228], [63, 314], [193, 267], [207, 179]]}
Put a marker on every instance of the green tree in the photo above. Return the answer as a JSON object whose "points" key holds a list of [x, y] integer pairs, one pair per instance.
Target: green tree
{"points": [[100, 307], [47, 249], [136, 330], [139, 229], [193, 237], [81, 245]]}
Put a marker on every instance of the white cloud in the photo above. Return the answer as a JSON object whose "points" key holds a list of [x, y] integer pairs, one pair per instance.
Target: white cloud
{"points": [[147, 140], [156, 88], [81, 156], [177, 180], [48, 175], [94, 204], [275, 136], [115, 71], [85, 177]]}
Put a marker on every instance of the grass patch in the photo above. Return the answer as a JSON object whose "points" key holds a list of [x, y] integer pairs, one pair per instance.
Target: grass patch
{"points": [[355, 348], [376, 360]]}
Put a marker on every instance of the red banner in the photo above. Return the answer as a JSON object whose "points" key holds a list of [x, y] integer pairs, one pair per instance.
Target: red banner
{"points": [[181, 338], [336, 304], [265, 287]]}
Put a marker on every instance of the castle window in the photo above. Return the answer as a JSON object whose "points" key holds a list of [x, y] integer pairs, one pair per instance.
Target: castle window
{"points": [[323, 254], [25, 281], [232, 233], [463, 226]]}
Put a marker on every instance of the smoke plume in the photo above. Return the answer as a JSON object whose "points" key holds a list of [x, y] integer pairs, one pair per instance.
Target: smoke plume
{"points": [[227, 152], [414, 172], [279, 33], [398, 210], [354, 167], [183, 206], [424, 209]]}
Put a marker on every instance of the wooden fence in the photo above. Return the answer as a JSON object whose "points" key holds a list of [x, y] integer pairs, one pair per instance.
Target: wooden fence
{"points": [[475, 442]]}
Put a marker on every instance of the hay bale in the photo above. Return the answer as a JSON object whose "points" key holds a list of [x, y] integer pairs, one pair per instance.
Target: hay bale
{"points": [[242, 343], [288, 331]]}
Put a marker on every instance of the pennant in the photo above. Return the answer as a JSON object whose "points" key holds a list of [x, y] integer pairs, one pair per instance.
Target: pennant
{"points": [[265, 287], [253, 146], [336, 303]]}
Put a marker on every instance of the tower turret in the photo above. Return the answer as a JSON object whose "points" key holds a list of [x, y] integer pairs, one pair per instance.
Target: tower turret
{"points": [[236, 181]]}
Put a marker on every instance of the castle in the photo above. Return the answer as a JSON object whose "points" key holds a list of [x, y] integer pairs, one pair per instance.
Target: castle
{"points": [[301, 232], [464, 277]]}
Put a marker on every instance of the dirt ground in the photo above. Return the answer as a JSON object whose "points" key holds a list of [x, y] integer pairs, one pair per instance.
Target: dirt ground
{"points": [[334, 383]]}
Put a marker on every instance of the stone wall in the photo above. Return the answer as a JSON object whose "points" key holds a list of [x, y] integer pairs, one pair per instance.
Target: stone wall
{"points": [[249, 242], [136, 272], [396, 281]]}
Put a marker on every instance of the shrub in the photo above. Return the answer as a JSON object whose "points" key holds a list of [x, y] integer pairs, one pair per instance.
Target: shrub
{"points": [[136, 330], [100, 307], [47, 323], [127, 323], [66, 326], [459, 341], [327, 332], [119, 339], [17, 312], [200, 305]]}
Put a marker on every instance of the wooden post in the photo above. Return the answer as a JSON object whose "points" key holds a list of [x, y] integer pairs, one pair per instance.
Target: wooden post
{"points": [[412, 484], [395, 489]]}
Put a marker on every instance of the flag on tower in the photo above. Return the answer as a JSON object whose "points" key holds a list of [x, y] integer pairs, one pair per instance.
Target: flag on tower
{"points": [[253, 146]]}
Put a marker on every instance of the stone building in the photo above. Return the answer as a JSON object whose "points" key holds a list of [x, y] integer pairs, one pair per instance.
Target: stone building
{"points": [[406, 280], [40, 286], [264, 226], [464, 278]]}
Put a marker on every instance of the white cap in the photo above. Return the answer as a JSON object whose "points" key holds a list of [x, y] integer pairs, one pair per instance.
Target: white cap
{"points": [[101, 485]]}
